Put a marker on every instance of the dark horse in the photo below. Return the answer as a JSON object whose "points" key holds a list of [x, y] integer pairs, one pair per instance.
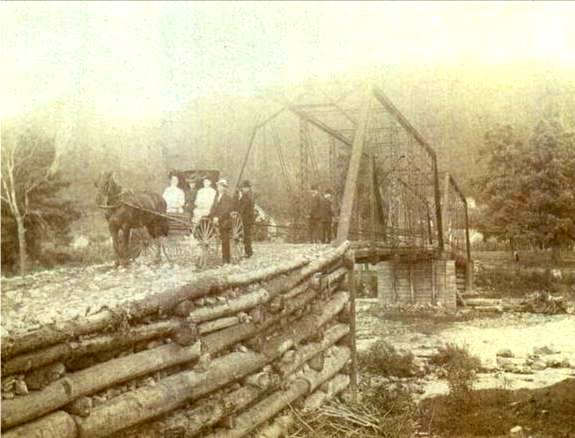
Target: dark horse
{"points": [[126, 210]]}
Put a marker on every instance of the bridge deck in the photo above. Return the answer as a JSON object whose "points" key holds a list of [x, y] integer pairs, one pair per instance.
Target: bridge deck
{"points": [[47, 297]]}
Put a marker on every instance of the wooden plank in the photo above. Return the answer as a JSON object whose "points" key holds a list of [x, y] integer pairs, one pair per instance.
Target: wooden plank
{"points": [[445, 204], [353, 171], [352, 327], [411, 284]]}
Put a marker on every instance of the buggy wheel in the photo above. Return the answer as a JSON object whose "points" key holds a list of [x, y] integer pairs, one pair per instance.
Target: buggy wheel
{"points": [[237, 237], [206, 235], [176, 249]]}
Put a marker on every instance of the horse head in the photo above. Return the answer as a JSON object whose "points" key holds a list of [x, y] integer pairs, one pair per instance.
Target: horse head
{"points": [[107, 187]]}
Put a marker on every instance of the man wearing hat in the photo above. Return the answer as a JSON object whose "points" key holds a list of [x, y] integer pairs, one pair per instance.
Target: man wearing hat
{"points": [[327, 216], [246, 208], [221, 212]]}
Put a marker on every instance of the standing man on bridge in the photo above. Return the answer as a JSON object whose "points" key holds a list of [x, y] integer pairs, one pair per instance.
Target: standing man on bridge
{"points": [[314, 216], [327, 216], [221, 212], [246, 208]]}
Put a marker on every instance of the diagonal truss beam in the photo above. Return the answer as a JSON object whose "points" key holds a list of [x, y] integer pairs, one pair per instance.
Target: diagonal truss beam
{"points": [[353, 170], [321, 125]]}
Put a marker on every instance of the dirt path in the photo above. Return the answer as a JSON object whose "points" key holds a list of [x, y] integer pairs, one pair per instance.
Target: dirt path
{"points": [[37, 299]]}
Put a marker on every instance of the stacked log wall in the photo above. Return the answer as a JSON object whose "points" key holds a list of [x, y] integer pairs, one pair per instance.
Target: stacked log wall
{"points": [[218, 357]]}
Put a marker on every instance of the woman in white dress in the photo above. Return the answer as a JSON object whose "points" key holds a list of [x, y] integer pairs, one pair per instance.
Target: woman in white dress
{"points": [[204, 200], [174, 196]]}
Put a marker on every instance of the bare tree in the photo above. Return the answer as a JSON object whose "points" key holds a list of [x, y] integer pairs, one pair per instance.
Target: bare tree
{"points": [[28, 163]]}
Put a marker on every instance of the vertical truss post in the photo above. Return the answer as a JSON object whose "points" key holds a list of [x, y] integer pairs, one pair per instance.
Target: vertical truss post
{"points": [[353, 170], [303, 156], [332, 163], [469, 264], [437, 196], [372, 206], [445, 206]]}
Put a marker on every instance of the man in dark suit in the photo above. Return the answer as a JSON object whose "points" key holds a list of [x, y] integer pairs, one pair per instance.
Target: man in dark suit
{"points": [[314, 215], [327, 215], [246, 208], [221, 213]]}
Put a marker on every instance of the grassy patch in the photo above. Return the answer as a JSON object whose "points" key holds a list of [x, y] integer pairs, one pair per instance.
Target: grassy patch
{"points": [[460, 369], [384, 359], [544, 413]]}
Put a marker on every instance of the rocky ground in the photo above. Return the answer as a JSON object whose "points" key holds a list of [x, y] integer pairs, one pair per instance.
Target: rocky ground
{"points": [[520, 353], [44, 297], [517, 350]]}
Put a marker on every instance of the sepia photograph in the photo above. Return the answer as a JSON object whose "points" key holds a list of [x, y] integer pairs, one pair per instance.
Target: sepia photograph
{"points": [[287, 219]]}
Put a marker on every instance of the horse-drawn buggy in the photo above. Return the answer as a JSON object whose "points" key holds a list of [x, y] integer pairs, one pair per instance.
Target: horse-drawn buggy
{"points": [[143, 225]]}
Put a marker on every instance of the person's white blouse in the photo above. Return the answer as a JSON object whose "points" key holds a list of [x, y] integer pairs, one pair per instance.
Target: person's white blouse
{"points": [[175, 199], [204, 201]]}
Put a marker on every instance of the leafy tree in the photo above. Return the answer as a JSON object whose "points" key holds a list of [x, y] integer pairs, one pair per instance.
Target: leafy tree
{"points": [[31, 208], [499, 187], [528, 189], [549, 184]]}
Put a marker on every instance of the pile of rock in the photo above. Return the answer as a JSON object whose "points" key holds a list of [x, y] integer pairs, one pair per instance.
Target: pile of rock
{"points": [[545, 303], [541, 359]]}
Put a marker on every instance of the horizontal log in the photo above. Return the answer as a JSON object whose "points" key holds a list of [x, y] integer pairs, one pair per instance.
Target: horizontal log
{"points": [[218, 324], [296, 291], [168, 394], [257, 297], [488, 309], [209, 413], [55, 333], [159, 302], [56, 425], [144, 403], [306, 352], [476, 302], [243, 302], [205, 413], [306, 327], [28, 361], [93, 379], [319, 397], [232, 335], [272, 405]]}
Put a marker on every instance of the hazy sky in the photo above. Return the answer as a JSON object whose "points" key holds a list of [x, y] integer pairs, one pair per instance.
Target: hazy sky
{"points": [[141, 58]]}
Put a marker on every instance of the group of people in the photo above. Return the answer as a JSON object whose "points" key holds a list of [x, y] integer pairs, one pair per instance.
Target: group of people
{"points": [[322, 216], [217, 205]]}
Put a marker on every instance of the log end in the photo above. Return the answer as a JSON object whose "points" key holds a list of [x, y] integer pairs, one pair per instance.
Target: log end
{"points": [[80, 407], [186, 335], [183, 308]]}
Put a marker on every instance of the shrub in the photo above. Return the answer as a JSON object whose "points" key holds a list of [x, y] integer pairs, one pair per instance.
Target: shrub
{"points": [[391, 399], [460, 367], [384, 360]]}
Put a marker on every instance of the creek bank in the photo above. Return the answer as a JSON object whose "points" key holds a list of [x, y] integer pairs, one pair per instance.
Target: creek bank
{"points": [[517, 350]]}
